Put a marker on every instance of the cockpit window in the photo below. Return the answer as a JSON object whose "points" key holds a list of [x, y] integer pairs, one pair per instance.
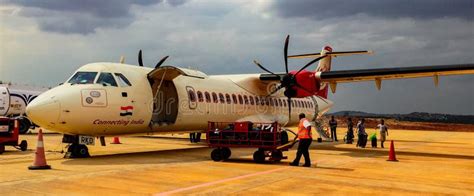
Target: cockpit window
{"points": [[122, 80], [83, 78], [106, 79]]}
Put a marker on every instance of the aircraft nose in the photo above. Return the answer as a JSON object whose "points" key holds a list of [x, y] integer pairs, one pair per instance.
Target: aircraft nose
{"points": [[44, 111]]}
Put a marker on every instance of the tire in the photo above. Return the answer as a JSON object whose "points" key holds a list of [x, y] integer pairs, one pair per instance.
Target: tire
{"points": [[226, 153], [23, 145], [277, 155], [216, 155], [80, 151], [284, 137], [2, 149], [259, 156], [25, 125]]}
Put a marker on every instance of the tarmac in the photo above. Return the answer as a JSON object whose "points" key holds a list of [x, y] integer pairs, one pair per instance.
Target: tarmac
{"points": [[430, 162]]}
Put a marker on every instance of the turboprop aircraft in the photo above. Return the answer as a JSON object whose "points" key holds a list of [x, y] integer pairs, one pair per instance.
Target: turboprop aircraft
{"points": [[104, 99]]}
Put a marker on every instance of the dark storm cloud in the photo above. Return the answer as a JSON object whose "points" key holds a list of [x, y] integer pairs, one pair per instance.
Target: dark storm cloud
{"points": [[83, 17], [419, 9]]}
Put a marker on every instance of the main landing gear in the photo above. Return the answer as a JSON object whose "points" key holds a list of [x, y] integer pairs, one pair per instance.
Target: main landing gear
{"points": [[75, 150]]}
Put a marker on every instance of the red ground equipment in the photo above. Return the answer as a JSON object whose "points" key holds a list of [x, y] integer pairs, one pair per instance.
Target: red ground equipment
{"points": [[9, 131], [268, 138]]}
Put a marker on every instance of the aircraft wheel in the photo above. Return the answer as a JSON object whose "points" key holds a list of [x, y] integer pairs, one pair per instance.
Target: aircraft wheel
{"points": [[25, 125], [259, 156], [277, 155], [217, 155], [2, 149], [23, 145], [226, 153], [79, 151], [284, 137]]}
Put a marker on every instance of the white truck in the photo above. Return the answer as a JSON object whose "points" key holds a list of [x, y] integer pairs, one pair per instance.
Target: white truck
{"points": [[13, 102]]}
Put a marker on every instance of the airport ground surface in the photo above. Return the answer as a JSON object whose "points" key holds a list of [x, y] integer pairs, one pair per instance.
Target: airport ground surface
{"points": [[430, 162]]}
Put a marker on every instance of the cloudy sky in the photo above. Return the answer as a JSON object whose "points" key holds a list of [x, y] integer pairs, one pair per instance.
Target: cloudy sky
{"points": [[43, 42]]}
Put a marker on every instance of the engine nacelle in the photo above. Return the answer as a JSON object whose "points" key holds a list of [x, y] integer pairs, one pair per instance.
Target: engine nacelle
{"points": [[306, 79]]}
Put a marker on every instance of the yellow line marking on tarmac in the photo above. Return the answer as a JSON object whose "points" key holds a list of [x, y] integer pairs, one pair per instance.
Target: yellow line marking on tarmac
{"points": [[219, 181]]}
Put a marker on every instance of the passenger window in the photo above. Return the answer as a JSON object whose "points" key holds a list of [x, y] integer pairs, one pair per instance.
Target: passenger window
{"points": [[271, 102], [246, 99], [83, 78], [208, 97], [251, 100], [284, 103], [221, 98], [280, 103], [241, 101], [191, 96], [214, 97], [106, 79], [262, 101], [257, 100], [234, 99], [200, 97], [122, 80], [227, 99]]}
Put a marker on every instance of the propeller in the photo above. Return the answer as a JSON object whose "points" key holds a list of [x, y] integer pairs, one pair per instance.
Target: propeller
{"points": [[289, 80], [140, 60]]}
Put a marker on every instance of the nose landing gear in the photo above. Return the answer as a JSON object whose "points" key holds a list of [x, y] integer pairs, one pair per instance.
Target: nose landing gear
{"points": [[75, 150]]}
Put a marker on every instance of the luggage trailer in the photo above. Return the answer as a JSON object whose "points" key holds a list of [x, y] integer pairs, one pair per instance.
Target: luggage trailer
{"points": [[269, 139], [9, 134]]}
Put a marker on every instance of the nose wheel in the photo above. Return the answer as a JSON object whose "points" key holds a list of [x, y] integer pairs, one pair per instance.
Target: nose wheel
{"points": [[77, 151]]}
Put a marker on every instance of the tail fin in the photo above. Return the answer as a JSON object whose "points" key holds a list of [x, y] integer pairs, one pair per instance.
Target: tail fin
{"points": [[325, 63], [323, 66]]}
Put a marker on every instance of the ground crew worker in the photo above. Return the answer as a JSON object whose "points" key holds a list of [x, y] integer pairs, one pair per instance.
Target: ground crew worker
{"points": [[383, 130], [304, 135], [333, 126]]}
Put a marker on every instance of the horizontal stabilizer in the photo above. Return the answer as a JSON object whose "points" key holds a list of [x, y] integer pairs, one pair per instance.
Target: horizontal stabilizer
{"points": [[335, 54]]}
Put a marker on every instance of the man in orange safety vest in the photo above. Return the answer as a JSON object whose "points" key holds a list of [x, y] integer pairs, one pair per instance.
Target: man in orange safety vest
{"points": [[304, 135]]}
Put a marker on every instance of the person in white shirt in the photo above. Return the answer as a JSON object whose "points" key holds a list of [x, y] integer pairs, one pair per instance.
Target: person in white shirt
{"points": [[383, 131]]}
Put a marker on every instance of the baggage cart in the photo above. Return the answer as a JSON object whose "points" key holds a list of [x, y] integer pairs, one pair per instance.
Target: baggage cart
{"points": [[268, 138]]}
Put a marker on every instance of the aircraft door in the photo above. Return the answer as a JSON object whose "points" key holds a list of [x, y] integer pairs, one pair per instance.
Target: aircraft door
{"points": [[4, 101]]}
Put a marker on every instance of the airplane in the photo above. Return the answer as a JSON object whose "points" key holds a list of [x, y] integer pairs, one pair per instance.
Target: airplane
{"points": [[110, 99]]}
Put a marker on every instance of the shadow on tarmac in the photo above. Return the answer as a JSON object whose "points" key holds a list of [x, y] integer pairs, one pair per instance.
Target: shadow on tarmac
{"points": [[149, 157]]}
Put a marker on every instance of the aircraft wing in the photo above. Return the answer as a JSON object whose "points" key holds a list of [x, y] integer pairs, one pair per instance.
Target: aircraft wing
{"points": [[377, 75]]}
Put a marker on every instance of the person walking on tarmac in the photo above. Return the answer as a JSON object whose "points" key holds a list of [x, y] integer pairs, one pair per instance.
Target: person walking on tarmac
{"points": [[383, 131], [333, 126], [304, 135], [350, 131], [361, 134]]}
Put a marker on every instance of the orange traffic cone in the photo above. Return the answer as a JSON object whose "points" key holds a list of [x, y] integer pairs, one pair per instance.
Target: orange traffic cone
{"points": [[116, 141], [40, 158], [391, 154]]}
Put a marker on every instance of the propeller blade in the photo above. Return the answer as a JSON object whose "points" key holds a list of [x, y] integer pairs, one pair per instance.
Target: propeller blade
{"points": [[263, 68], [285, 51], [276, 90], [311, 62], [161, 61], [140, 61]]}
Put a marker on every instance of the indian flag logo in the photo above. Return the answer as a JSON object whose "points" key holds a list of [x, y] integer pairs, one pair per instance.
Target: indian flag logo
{"points": [[126, 110]]}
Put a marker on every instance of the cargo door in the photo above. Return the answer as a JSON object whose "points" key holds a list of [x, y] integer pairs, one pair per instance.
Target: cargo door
{"points": [[4, 101]]}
